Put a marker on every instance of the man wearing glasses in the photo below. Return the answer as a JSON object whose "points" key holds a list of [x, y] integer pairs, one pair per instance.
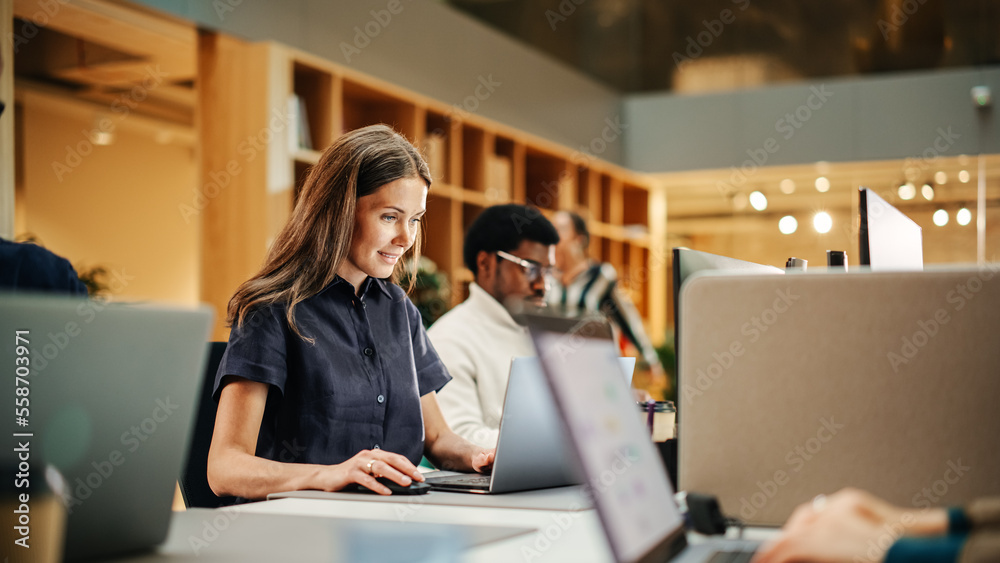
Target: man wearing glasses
{"points": [[510, 251]]}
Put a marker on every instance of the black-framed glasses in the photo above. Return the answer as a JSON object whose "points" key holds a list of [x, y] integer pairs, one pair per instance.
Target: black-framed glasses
{"points": [[532, 269]]}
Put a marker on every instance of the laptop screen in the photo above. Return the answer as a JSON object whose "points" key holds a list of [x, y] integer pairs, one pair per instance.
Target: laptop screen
{"points": [[112, 390], [623, 471], [887, 239]]}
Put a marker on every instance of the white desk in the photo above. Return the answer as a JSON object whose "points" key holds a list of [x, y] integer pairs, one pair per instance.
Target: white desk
{"points": [[320, 530], [562, 535]]}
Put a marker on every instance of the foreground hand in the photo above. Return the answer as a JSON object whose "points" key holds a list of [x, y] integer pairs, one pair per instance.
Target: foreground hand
{"points": [[363, 469], [482, 462], [848, 526]]}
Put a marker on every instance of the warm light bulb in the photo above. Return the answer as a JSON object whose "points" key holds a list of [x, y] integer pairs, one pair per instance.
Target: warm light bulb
{"points": [[940, 217], [927, 191], [822, 222], [758, 201], [907, 191], [787, 225], [822, 184], [963, 217]]}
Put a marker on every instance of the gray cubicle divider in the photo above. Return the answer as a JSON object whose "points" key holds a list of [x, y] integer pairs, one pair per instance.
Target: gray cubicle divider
{"points": [[799, 385]]}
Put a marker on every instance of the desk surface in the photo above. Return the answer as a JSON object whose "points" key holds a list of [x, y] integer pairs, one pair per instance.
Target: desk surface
{"points": [[235, 534], [327, 530], [561, 535]]}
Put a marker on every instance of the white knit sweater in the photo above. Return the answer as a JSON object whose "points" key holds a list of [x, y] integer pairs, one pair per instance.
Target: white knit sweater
{"points": [[476, 341]]}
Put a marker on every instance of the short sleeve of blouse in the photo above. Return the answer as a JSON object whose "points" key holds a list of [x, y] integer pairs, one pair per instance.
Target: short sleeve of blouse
{"points": [[256, 350], [431, 373]]}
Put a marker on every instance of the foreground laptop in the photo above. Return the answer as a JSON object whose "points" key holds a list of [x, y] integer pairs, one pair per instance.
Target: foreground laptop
{"points": [[111, 392], [532, 452], [621, 469]]}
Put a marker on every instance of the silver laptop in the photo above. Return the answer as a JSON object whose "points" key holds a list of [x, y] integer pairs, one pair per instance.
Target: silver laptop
{"points": [[622, 470], [532, 451], [111, 400]]}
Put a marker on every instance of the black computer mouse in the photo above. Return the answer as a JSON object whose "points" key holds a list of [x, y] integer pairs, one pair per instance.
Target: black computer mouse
{"points": [[415, 488]]}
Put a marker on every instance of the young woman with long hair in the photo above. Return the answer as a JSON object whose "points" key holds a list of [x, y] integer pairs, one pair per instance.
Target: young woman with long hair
{"points": [[329, 378]]}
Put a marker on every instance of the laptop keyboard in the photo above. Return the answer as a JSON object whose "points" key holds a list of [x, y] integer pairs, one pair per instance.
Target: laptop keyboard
{"points": [[731, 557], [476, 479]]}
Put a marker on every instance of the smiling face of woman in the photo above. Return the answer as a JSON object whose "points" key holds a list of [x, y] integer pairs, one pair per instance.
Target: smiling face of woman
{"points": [[385, 226]]}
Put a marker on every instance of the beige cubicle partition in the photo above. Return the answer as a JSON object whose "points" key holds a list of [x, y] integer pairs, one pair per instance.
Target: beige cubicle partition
{"points": [[798, 385]]}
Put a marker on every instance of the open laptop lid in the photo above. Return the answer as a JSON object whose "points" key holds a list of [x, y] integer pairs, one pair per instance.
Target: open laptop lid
{"points": [[532, 448], [112, 392], [622, 470]]}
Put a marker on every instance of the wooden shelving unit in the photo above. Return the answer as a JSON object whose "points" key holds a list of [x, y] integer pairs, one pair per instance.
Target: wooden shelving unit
{"points": [[264, 90]]}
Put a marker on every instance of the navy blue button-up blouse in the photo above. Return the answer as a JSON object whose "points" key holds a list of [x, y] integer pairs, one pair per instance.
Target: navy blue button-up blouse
{"points": [[358, 387]]}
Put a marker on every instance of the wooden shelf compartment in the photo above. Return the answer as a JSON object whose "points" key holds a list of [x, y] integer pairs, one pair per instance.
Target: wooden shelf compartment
{"points": [[634, 275], [436, 229], [612, 206], [544, 179], [585, 177], [596, 248], [475, 154], [470, 211], [505, 170], [315, 89], [604, 199], [436, 146], [635, 205], [363, 106], [611, 251]]}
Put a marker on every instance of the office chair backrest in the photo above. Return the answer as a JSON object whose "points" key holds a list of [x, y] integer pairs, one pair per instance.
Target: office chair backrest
{"points": [[194, 479]]}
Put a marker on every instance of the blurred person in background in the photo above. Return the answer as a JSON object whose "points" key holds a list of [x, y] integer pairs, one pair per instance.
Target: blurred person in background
{"points": [[509, 250], [585, 285]]}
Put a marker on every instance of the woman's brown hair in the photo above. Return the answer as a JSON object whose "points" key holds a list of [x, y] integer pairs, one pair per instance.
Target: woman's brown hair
{"points": [[306, 254]]}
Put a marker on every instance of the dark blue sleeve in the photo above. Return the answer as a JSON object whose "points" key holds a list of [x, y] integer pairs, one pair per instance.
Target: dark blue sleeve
{"points": [[257, 350], [66, 278], [29, 267], [940, 549], [431, 373]]}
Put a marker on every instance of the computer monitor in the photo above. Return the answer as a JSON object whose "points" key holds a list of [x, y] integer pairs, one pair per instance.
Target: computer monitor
{"points": [[887, 239], [688, 262]]}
